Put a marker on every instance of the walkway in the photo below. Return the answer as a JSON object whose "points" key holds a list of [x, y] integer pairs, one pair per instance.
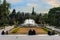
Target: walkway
{"points": [[26, 37], [53, 28], [7, 28]]}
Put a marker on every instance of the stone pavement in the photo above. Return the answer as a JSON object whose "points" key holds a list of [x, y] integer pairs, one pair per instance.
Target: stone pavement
{"points": [[53, 28], [27, 37], [6, 29]]}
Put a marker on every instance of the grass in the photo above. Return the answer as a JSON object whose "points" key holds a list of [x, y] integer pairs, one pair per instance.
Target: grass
{"points": [[14, 30], [46, 29], [22, 30], [25, 30]]}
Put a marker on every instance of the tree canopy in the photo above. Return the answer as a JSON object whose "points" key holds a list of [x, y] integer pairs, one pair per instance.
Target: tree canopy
{"points": [[54, 16], [14, 18]]}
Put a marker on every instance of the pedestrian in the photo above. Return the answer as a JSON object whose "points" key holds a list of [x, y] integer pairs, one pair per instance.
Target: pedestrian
{"points": [[2, 33], [34, 32], [49, 33], [30, 32], [6, 32], [53, 33]]}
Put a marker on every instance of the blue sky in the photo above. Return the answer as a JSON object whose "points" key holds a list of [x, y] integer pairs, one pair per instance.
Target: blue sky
{"points": [[41, 6]]}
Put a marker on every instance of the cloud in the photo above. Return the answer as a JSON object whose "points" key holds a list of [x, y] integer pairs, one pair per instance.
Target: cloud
{"points": [[54, 3], [32, 5], [34, 0], [29, 6], [39, 5], [27, 9], [14, 1]]}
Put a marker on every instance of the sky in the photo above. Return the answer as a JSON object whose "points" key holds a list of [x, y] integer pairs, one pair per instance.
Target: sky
{"points": [[41, 6]]}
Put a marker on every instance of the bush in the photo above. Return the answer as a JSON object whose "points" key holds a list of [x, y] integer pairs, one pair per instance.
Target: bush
{"points": [[15, 30], [45, 28]]}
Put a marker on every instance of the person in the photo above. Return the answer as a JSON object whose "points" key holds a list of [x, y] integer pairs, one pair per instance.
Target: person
{"points": [[34, 32], [3, 32], [49, 33], [30, 32], [53, 33], [6, 32]]}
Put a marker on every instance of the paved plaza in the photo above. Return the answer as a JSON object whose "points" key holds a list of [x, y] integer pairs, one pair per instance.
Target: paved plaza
{"points": [[27, 37]]}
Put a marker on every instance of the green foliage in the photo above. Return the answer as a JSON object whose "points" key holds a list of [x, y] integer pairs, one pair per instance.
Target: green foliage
{"points": [[15, 18], [46, 29], [54, 16], [15, 30], [4, 12], [45, 18]]}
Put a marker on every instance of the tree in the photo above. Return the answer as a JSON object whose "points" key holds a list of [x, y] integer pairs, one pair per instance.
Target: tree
{"points": [[4, 11], [45, 18], [54, 16], [12, 17], [20, 17], [27, 16], [5, 7], [37, 19]]}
